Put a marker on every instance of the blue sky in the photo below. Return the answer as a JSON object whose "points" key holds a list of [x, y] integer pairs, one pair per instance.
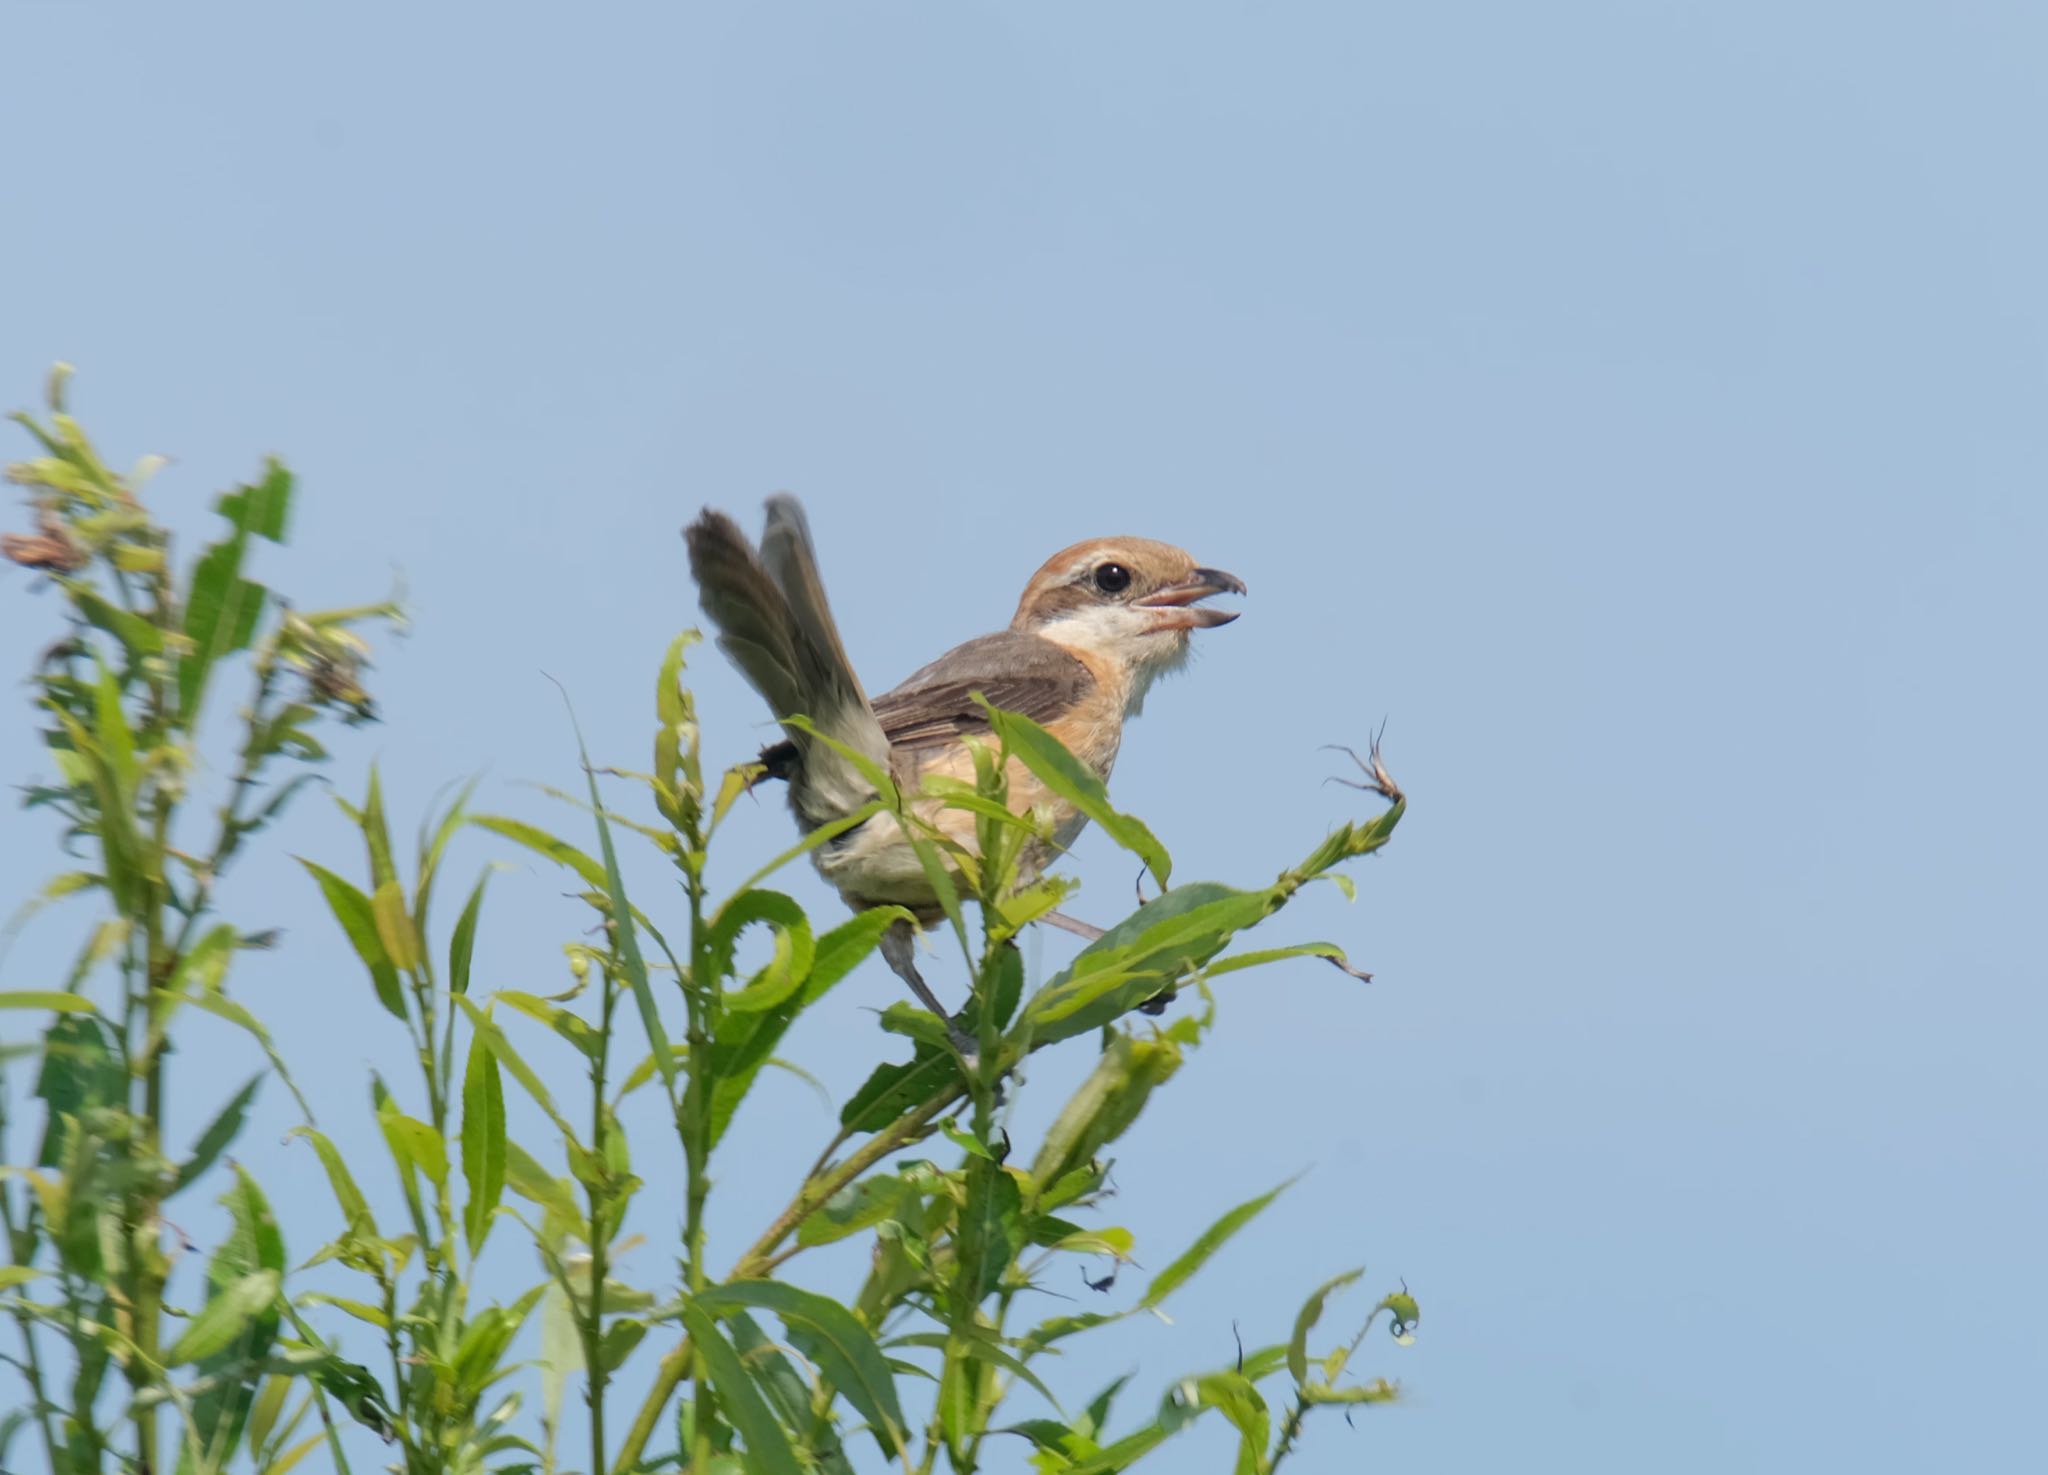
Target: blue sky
{"points": [[1636, 405]]}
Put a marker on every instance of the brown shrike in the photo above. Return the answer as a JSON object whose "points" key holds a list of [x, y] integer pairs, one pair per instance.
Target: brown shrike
{"points": [[1098, 624]]}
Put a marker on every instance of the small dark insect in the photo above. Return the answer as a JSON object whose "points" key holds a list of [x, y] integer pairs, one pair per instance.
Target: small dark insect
{"points": [[1102, 1285], [1377, 779]]}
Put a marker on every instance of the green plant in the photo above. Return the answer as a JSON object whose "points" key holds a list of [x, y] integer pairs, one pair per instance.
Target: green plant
{"points": [[124, 693], [750, 1370]]}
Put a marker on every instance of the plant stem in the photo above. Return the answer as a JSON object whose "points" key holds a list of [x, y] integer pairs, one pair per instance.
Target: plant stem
{"points": [[32, 1364], [1288, 1432], [598, 1196], [700, 996]]}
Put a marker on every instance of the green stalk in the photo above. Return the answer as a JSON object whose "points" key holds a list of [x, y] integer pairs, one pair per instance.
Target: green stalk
{"points": [[32, 1362], [598, 1198], [700, 995]]}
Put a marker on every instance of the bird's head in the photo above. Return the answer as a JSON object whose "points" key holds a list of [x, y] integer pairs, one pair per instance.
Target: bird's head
{"points": [[1129, 600]]}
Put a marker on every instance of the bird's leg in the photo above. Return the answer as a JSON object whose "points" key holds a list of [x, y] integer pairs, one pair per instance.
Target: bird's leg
{"points": [[899, 951], [1086, 931]]}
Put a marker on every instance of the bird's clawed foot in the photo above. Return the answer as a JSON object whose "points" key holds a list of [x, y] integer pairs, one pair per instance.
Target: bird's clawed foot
{"points": [[899, 951]]}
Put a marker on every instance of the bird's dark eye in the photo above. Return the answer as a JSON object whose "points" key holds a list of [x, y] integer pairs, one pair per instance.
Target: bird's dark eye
{"points": [[1112, 578]]}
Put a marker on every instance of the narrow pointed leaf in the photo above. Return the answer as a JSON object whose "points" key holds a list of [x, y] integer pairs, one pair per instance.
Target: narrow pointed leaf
{"points": [[358, 920], [1078, 784], [1212, 1239], [1311, 1312], [832, 1337], [220, 1132], [483, 1140], [768, 1448]]}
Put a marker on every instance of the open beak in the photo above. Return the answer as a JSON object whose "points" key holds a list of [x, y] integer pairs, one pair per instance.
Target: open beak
{"points": [[1177, 601]]}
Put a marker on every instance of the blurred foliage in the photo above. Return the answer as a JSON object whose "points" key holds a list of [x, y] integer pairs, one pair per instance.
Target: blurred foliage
{"points": [[133, 1355]]}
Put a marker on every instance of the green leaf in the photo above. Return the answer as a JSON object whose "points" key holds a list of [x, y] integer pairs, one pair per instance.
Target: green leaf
{"points": [[939, 876], [359, 921], [376, 833], [224, 1317], [263, 1414], [62, 1003], [625, 939], [982, 1345], [1212, 1239], [354, 1207], [1105, 1105], [853, 1208], [205, 965], [527, 1178], [220, 1132], [262, 508], [785, 971], [1233, 1395], [835, 1341], [564, 1022], [221, 615], [991, 1227], [483, 1141], [1078, 784], [1379, 1390], [768, 1448], [534, 838], [747, 1041], [433, 844], [1125, 1452], [121, 849], [291, 1457], [561, 1350], [394, 927], [894, 1089], [414, 1143], [361, 1310], [462, 945], [221, 1007], [1406, 1314], [490, 1332], [136, 634], [1348, 842], [227, 1381], [79, 1071], [675, 762], [1151, 950], [494, 1038], [786, 1388], [1258, 959], [1311, 1312]]}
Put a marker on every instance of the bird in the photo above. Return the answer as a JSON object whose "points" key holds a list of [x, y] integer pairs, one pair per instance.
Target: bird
{"points": [[1097, 625]]}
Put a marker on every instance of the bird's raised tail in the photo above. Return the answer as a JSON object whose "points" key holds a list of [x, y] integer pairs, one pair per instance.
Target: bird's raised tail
{"points": [[774, 623]]}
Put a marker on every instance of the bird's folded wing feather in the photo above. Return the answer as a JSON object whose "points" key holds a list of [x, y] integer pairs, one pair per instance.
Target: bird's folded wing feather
{"points": [[1015, 671]]}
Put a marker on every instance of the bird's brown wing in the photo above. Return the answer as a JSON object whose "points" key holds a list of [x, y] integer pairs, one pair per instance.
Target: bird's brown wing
{"points": [[1018, 672]]}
